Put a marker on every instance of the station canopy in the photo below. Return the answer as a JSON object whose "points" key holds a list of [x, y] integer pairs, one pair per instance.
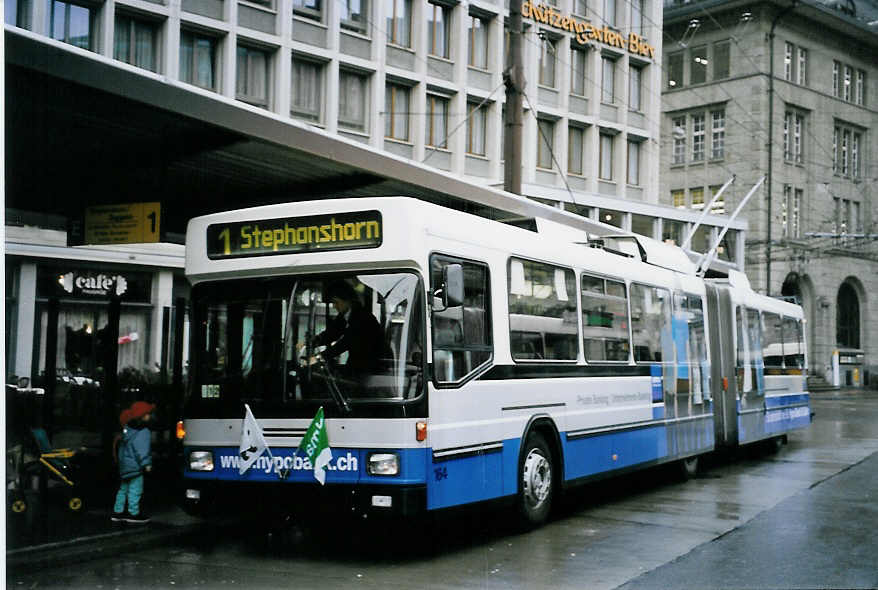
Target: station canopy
{"points": [[83, 130]]}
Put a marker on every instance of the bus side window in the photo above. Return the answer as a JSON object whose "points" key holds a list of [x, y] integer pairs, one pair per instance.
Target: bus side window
{"points": [[793, 344], [772, 340], [744, 357], [542, 311], [650, 323], [688, 331], [604, 319], [461, 333]]}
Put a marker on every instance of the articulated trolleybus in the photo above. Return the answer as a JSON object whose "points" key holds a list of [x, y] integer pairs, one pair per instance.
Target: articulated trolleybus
{"points": [[473, 360]]}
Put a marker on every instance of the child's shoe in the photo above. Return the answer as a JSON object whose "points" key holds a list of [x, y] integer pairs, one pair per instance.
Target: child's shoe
{"points": [[137, 518], [119, 516]]}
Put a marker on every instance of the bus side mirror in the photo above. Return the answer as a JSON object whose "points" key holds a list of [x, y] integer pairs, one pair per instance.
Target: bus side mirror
{"points": [[452, 277], [450, 293]]}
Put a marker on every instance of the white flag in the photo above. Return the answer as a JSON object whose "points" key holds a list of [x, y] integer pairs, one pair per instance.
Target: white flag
{"points": [[252, 441]]}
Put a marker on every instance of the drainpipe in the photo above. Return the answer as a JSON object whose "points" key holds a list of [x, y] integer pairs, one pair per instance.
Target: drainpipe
{"points": [[774, 22]]}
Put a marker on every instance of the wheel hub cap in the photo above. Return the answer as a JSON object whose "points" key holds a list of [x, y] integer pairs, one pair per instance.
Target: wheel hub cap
{"points": [[537, 478]]}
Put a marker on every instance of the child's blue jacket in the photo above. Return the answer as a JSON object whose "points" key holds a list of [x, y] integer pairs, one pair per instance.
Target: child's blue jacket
{"points": [[134, 451]]}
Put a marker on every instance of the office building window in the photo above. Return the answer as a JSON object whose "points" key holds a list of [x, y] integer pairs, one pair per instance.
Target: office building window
{"points": [[847, 151], [848, 75], [476, 128], [836, 208], [719, 205], [438, 30], [796, 214], [547, 62], [717, 134], [605, 164], [696, 197], [861, 87], [698, 137], [306, 96], [836, 79], [17, 13], [437, 121], [579, 83], [678, 198], [72, 24], [633, 162], [545, 143], [793, 125], [396, 111], [610, 13], [355, 15], [835, 133], [478, 42], [721, 60], [635, 81], [311, 9], [399, 22], [675, 70], [856, 226], [252, 76], [787, 135], [198, 54], [136, 42], [679, 132], [802, 66], [798, 125], [855, 155], [608, 80], [785, 205], [637, 16], [788, 62], [353, 100], [698, 66], [576, 150]]}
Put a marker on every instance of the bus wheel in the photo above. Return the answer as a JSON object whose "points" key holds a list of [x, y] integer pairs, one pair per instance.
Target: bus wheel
{"points": [[537, 488], [689, 467], [776, 444]]}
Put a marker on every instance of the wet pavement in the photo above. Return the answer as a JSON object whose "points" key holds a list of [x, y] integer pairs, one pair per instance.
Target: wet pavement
{"points": [[805, 517]]}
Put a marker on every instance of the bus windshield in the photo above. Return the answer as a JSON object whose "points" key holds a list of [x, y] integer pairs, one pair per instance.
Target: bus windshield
{"points": [[339, 340]]}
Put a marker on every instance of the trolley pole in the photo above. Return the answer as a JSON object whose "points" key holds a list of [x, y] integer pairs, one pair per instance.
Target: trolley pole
{"points": [[513, 77]]}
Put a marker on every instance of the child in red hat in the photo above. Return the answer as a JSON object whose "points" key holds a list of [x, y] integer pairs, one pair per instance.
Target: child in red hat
{"points": [[134, 459]]}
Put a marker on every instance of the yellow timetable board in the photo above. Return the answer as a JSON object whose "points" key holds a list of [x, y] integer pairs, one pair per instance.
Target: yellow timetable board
{"points": [[127, 223]]}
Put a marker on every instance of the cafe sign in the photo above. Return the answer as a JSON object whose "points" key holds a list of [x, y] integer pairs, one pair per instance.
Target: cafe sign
{"points": [[586, 32], [94, 284]]}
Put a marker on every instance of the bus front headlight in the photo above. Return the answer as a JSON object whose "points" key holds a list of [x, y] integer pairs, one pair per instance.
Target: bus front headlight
{"points": [[201, 461], [383, 464]]}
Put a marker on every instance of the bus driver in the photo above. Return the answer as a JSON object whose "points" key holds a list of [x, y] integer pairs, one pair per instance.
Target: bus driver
{"points": [[353, 330]]}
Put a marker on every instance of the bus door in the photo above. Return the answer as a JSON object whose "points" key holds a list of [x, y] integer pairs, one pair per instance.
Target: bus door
{"points": [[722, 366]]}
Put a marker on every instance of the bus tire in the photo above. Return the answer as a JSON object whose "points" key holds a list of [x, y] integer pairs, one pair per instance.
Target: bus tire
{"points": [[536, 481], [776, 443], [689, 467]]}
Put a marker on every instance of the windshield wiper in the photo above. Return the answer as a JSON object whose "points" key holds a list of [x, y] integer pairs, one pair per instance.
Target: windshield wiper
{"points": [[331, 384]]}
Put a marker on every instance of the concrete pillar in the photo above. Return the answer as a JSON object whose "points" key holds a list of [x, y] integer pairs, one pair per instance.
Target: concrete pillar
{"points": [[27, 296], [162, 296]]}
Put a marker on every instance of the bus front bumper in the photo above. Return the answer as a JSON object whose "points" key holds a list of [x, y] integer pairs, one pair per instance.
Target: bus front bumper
{"points": [[207, 498]]}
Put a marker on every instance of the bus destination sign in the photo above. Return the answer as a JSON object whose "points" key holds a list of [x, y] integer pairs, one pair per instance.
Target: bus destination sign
{"points": [[292, 235]]}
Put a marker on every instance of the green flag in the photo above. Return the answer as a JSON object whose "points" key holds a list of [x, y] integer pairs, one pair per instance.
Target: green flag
{"points": [[315, 444]]}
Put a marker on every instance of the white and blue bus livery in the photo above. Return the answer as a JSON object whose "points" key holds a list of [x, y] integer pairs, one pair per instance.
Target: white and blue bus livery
{"points": [[513, 363]]}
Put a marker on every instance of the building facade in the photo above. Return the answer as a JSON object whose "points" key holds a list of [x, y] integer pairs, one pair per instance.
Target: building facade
{"points": [[785, 91], [424, 80]]}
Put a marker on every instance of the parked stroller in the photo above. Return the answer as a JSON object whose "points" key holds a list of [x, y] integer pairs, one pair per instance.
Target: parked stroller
{"points": [[58, 466]]}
